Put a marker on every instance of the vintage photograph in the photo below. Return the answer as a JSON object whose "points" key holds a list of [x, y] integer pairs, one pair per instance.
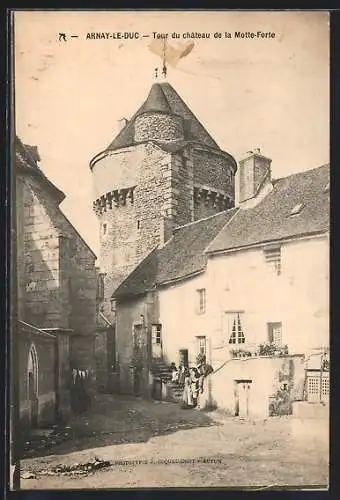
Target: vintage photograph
{"points": [[170, 257]]}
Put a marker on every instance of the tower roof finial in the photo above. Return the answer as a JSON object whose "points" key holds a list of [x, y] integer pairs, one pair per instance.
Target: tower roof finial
{"points": [[165, 69]]}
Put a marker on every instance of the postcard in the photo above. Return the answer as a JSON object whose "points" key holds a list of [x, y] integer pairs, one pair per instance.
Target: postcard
{"points": [[170, 257]]}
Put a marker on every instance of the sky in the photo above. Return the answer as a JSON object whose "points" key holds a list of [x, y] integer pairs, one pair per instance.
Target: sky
{"points": [[270, 93]]}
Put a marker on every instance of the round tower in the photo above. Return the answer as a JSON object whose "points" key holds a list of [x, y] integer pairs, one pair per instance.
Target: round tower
{"points": [[162, 170]]}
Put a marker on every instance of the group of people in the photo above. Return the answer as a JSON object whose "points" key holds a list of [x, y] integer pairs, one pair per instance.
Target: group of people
{"points": [[80, 390], [191, 380]]}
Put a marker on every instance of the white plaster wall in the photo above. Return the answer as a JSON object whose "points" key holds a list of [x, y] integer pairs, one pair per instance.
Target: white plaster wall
{"points": [[298, 297], [180, 321], [242, 281]]}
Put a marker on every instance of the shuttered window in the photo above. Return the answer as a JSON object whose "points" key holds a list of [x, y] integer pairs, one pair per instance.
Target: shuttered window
{"points": [[275, 333], [273, 259]]}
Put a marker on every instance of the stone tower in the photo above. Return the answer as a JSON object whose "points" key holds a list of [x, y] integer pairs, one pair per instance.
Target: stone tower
{"points": [[162, 170]]}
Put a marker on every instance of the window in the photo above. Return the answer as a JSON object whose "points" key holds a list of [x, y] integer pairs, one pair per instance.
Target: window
{"points": [[273, 259], [326, 187], [104, 228], [138, 224], [233, 329], [317, 386], [275, 333], [201, 300], [156, 333], [297, 209], [313, 385], [325, 386], [201, 344]]}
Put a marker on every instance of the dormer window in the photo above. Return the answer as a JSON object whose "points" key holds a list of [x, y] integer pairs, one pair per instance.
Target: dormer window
{"points": [[297, 209]]}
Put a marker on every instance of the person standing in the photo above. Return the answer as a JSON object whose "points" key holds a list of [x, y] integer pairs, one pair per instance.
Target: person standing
{"points": [[187, 392], [195, 385], [174, 373]]}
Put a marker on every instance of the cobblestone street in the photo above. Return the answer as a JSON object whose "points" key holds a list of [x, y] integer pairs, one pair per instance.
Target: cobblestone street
{"points": [[136, 443]]}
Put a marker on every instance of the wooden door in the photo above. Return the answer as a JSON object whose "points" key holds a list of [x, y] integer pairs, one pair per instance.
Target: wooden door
{"points": [[243, 392]]}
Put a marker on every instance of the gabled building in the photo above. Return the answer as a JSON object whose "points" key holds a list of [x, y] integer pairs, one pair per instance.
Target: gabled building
{"points": [[247, 287], [56, 295]]}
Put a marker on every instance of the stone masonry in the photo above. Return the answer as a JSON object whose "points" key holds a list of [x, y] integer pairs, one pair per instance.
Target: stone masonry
{"points": [[165, 171]]}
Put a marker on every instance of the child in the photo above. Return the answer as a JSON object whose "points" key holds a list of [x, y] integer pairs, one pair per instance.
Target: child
{"points": [[174, 373]]}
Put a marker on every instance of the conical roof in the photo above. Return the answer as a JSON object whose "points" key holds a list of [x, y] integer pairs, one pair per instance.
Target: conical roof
{"points": [[163, 98]]}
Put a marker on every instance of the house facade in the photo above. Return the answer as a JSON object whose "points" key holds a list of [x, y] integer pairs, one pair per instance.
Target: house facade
{"points": [[194, 262], [255, 302], [57, 287]]}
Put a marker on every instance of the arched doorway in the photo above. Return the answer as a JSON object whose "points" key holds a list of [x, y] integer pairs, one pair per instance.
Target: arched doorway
{"points": [[32, 370]]}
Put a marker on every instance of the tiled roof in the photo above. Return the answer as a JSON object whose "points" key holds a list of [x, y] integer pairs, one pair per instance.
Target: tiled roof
{"points": [[270, 220], [183, 255], [163, 98], [26, 157]]}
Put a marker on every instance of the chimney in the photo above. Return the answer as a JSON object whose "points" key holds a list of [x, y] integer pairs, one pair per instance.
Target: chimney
{"points": [[166, 230], [122, 123], [254, 174]]}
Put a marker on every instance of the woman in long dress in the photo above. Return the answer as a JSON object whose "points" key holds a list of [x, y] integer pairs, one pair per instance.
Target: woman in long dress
{"points": [[187, 392], [195, 385]]}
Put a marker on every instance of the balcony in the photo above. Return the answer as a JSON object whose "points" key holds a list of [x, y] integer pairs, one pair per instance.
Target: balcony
{"points": [[258, 350]]}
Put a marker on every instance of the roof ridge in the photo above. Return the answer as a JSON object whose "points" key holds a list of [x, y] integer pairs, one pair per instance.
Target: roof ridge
{"points": [[204, 218], [222, 228], [302, 172]]}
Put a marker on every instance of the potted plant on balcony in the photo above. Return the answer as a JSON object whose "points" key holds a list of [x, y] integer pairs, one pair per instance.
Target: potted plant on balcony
{"points": [[271, 349]]}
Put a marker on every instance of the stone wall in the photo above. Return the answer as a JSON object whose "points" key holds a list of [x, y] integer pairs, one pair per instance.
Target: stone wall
{"points": [[159, 126], [182, 189], [58, 267], [214, 171], [140, 312], [38, 259], [132, 229], [57, 283], [203, 210]]}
